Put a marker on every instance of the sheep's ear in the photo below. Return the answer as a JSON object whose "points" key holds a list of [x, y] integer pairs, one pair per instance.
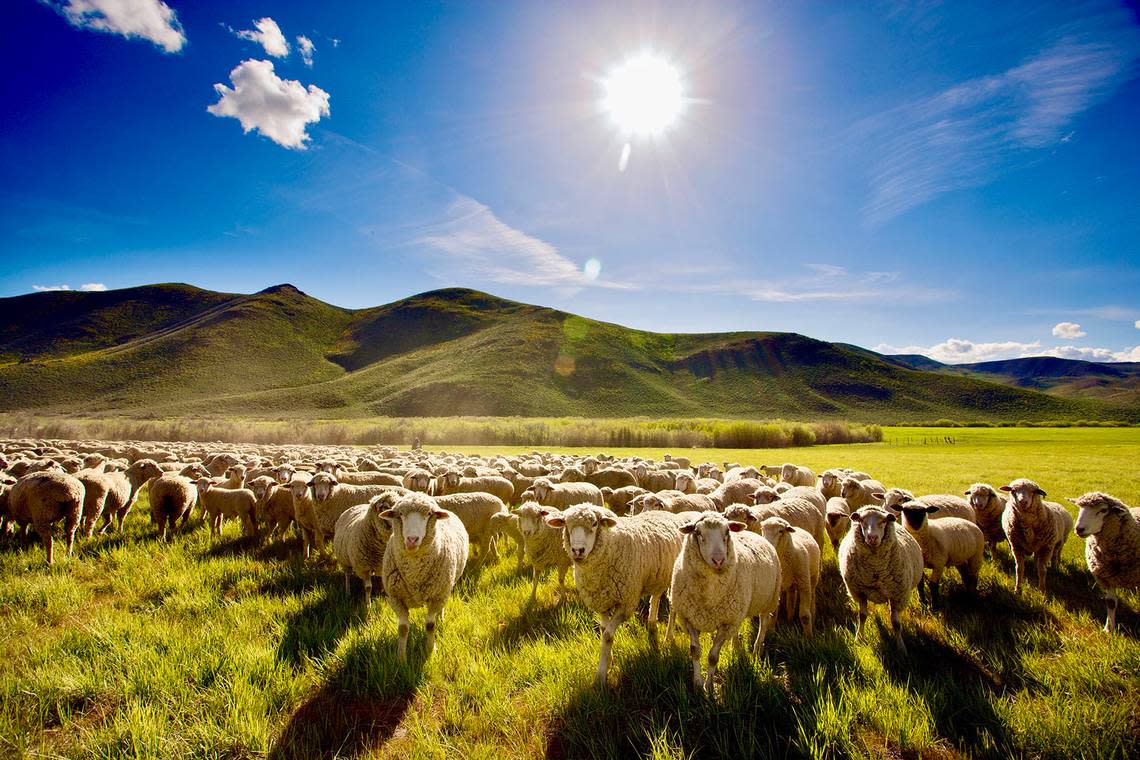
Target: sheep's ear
{"points": [[1007, 489], [1071, 499], [832, 519], [751, 497], [965, 493], [688, 528], [1042, 492], [555, 521], [788, 529], [931, 510], [610, 521], [856, 517], [441, 514], [878, 495], [544, 512], [390, 514], [891, 517], [736, 526]]}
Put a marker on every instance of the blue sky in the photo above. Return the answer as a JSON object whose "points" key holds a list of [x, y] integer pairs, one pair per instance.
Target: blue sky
{"points": [[955, 178]]}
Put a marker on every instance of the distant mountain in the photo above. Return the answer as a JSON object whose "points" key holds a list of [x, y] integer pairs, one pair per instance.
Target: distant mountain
{"points": [[175, 350], [1116, 382]]}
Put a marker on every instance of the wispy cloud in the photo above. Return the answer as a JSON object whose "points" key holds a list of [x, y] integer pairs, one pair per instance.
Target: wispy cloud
{"points": [[306, 48], [963, 136], [87, 287], [472, 242], [822, 283], [151, 20], [268, 34]]}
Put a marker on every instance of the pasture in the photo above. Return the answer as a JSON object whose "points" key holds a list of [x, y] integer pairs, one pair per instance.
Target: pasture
{"points": [[225, 649]]}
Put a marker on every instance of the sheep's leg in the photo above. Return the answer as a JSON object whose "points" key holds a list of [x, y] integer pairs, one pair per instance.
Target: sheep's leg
{"points": [[669, 626], [807, 610], [695, 654], [45, 534], [896, 623], [790, 604], [562, 584], [69, 533], [609, 627], [1018, 571], [763, 622], [1111, 602], [435, 610], [347, 588], [935, 592], [719, 638], [534, 584], [862, 619], [1042, 569], [402, 628], [651, 621], [367, 581]]}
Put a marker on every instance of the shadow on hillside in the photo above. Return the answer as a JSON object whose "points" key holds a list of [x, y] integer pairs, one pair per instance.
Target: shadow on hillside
{"points": [[649, 699], [358, 708]]}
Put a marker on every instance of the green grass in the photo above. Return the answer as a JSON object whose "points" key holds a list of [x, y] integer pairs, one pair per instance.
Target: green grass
{"points": [[197, 649]]}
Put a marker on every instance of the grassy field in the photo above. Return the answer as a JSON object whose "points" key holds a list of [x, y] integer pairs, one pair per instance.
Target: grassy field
{"points": [[224, 650]]}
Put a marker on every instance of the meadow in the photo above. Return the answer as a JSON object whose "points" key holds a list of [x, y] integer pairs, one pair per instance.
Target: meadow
{"points": [[225, 649]]}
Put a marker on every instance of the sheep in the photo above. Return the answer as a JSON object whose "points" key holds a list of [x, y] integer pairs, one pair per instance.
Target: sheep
{"points": [[654, 480], [475, 511], [838, 519], [318, 511], [366, 478], [451, 482], [722, 576], [417, 479], [171, 499], [562, 495], [686, 482], [507, 524], [543, 545], [102, 491], [799, 512], [862, 493], [41, 499], [683, 462], [735, 492], [799, 568], [1033, 526], [674, 504], [1112, 545], [618, 499], [6, 484], [988, 505], [797, 476], [138, 474], [275, 507], [360, 537], [423, 561], [616, 562], [737, 472], [767, 495], [945, 542], [831, 482], [880, 562], [948, 504], [219, 502]]}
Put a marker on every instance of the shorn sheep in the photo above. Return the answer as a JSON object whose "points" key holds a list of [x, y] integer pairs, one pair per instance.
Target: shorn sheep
{"points": [[880, 563], [722, 576], [360, 537], [1112, 545], [543, 545], [43, 499], [946, 542], [423, 561], [1035, 527], [799, 568], [617, 561]]}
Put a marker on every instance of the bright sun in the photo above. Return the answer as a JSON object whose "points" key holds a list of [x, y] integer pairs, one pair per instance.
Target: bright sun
{"points": [[644, 95]]}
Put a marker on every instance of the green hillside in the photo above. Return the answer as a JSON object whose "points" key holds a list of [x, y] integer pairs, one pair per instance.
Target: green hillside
{"points": [[173, 350]]}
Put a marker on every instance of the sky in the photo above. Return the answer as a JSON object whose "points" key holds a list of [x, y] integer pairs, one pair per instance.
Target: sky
{"points": [[956, 179]]}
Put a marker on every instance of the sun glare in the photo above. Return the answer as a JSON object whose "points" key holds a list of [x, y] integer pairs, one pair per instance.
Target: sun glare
{"points": [[643, 95]]}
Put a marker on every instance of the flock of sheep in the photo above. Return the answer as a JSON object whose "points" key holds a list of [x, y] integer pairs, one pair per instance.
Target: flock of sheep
{"points": [[725, 544]]}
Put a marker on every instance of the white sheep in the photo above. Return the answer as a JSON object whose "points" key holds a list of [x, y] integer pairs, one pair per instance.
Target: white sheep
{"points": [[722, 576], [799, 512], [327, 498], [423, 561], [797, 475], [1111, 531], [617, 562], [880, 563], [735, 492], [543, 545], [838, 519], [360, 537], [452, 482], [799, 568], [475, 511], [275, 507], [618, 499], [988, 505], [507, 524], [675, 504], [654, 480], [563, 495], [945, 542], [948, 505], [1033, 527], [862, 493], [102, 491]]}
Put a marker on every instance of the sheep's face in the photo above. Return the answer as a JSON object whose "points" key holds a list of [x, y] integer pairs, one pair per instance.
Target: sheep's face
{"points": [[873, 524], [589, 466], [776, 530], [145, 469], [451, 478], [740, 513], [414, 520], [204, 485], [713, 536], [236, 472], [850, 488], [651, 502], [915, 513], [1024, 493], [541, 488], [1094, 506], [640, 471], [322, 485], [532, 518], [788, 473], [420, 481], [328, 466], [285, 473], [580, 527], [896, 496], [979, 496], [299, 487], [686, 483], [260, 487], [829, 481], [763, 495]]}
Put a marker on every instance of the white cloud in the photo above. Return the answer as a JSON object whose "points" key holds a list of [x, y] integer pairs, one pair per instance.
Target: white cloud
{"points": [[306, 48], [88, 287], [1068, 331], [278, 108], [961, 351], [268, 35], [965, 135], [1095, 354], [151, 20], [474, 243], [1138, 324]]}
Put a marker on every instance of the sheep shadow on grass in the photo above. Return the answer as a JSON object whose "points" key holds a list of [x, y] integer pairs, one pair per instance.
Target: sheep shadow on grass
{"points": [[1076, 589], [326, 616], [556, 620], [358, 708]]}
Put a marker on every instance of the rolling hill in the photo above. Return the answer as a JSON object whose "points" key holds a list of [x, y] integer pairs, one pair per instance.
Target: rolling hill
{"points": [[176, 350]]}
